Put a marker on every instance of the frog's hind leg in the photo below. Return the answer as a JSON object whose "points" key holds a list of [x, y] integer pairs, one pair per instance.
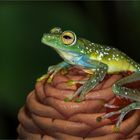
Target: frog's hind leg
{"points": [[119, 89], [133, 94]]}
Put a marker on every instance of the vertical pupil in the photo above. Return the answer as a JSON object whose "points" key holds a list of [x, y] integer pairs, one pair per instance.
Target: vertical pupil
{"points": [[67, 37]]}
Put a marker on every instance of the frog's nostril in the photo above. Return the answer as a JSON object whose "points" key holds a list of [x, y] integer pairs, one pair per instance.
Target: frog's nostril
{"points": [[46, 38]]}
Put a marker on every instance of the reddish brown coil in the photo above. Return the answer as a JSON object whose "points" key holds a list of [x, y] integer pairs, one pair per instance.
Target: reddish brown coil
{"points": [[46, 116]]}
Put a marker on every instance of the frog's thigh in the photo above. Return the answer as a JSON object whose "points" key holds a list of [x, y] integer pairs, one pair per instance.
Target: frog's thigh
{"points": [[119, 89]]}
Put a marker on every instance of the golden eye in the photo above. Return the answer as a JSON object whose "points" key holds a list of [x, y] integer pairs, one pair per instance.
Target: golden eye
{"points": [[68, 38]]}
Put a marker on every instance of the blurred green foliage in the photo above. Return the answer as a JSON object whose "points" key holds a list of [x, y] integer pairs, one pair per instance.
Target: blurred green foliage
{"points": [[23, 58]]}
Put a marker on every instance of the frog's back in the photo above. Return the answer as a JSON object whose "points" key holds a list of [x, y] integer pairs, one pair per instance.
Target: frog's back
{"points": [[116, 60]]}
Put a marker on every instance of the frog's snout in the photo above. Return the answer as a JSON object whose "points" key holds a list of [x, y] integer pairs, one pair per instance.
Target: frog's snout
{"points": [[45, 38]]}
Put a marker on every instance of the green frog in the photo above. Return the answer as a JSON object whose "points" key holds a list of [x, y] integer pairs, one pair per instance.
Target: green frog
{"points": [[99, 60]]}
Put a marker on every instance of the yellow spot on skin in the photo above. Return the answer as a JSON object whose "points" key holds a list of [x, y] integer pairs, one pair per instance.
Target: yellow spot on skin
{"points": [[70, 82]]}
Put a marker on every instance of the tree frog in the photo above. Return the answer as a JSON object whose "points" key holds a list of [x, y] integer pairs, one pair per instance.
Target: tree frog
{"points": [[100, 60]]}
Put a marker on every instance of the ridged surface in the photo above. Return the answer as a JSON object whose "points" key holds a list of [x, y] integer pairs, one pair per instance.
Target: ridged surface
{"points": [[46, 116]]}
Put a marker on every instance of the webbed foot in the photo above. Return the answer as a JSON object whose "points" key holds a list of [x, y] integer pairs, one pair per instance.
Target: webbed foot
{"points": [[122, 113], [49, 75]]}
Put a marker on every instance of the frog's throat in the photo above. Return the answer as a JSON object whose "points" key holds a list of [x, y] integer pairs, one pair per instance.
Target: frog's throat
{"points": [[68, 56]]}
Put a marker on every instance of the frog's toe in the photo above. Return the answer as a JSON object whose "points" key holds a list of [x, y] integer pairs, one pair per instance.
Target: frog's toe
{"points": [[99, 119], [110, 105], [68, 99], [51, 68], [72, 98], [80, 99], [49, 80], [45, 76], [64, 71], [116, 129], [106, 116]]}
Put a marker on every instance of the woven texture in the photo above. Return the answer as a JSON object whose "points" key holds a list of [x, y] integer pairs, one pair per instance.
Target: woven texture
{"points": [[46, 116]]}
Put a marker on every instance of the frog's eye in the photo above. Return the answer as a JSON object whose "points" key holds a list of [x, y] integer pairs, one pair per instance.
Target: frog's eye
{"points": [[68, 38]]}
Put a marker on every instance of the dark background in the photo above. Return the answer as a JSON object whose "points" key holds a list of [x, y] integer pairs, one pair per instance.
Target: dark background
{"points": [[23, 58]]}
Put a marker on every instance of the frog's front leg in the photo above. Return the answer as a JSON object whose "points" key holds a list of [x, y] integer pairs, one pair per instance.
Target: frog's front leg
{"points": [[100, 70], [52, 70], [132, 94]]}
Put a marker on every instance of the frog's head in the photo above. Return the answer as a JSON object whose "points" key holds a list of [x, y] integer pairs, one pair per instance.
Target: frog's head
{"points": [[63, 41]]}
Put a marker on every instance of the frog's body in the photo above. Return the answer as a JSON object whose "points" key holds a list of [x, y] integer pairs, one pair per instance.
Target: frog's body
{"points": [[115, 59], [98, 59]]}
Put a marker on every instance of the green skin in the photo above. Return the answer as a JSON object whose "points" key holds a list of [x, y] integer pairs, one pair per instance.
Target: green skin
{"points": [[98, 59]]}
